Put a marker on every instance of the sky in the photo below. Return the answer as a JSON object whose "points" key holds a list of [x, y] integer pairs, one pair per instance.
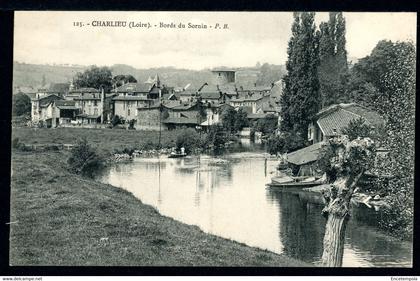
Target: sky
{"points": [[42, 37]]}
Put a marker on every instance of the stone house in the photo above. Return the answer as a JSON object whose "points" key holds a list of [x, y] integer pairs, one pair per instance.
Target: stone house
{"points": [[95, 107], [150, 118], [42, 108]]}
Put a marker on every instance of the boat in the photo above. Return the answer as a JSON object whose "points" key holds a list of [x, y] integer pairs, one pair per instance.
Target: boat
{"points": [[177, 155], [294, 182]]}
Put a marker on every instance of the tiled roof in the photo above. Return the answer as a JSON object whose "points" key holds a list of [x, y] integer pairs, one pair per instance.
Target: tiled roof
{"points": [[170, 103], [210, 95], [184, 106], [84, 90], [142, 98], [88, 96], [335, 119], [180, 120], [133, 87], [305, 155], [209, 89], [65, 103]]}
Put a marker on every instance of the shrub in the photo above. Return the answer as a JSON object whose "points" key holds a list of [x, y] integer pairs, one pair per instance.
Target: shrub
{"points": [[216, 136], [188, 139], [116, 120], [84, 159]]}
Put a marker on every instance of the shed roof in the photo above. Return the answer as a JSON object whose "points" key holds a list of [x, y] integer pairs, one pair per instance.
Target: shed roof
{"points": [[305, 155], [132, 98], [84, 90]]}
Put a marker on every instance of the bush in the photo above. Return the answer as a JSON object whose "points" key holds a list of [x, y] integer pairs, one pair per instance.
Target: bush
{"points": [[285, 142], [188, 139], [217, 136], [116, 120], [84, 159], [131, 124]]}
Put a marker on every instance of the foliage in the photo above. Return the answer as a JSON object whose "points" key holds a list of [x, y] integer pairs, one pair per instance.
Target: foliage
{"points": [[84, 159], [241, 120], [115, 120], [21, 104], [266, 125], [216, 136], [94, 77], [301, 98], [285, 142], [189, 139], [228, 117], [358, 128], [120, 80], [333, 69]]}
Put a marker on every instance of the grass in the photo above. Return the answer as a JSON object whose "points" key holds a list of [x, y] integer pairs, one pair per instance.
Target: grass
{"points": [[62, 219], [106, 140]]}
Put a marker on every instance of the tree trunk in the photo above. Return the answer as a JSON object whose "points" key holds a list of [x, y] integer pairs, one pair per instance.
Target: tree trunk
{"points": [[337, 211], [334, 241]]}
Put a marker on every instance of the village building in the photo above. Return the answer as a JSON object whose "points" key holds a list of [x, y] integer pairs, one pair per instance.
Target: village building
{"points": [[150, 118], [182, 115], [42, 109], [95, 106], [65, 112], [213, 114], [223, 76], [131, 96], [327, 123], [251, 103], [333, 119]]}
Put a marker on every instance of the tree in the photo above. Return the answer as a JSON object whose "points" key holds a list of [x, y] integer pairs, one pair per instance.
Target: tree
{"points": [[346, 163], [266, 125], [115, 120], [241, 120], [216, 136], [228, 117], [94, 77], [21, 104], [84, 159], [333, 69], [120, 80], [301, 99]]}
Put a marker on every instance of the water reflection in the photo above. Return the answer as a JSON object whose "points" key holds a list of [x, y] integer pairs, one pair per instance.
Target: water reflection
{"points": [[226, 196]]}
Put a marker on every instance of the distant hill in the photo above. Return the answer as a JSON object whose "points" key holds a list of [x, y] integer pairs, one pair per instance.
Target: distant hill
{"points": [[34, 75]]}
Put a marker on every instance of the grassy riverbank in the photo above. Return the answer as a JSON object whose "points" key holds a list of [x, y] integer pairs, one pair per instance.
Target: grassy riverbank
{"points": [[59, 218], [105, 140]]}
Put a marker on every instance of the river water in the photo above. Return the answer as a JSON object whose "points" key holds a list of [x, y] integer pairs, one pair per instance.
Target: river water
{"points": [[226, 196]]}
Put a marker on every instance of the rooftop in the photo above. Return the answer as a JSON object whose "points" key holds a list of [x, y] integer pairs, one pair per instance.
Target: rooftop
{"points": [[133, 87], [305, 155], [335, 118]]}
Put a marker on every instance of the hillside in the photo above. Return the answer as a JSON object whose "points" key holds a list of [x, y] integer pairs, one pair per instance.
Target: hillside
{"points": [[32, 75]]}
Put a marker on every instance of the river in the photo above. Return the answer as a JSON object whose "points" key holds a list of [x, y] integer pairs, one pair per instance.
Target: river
{"points": [[226, 196]]}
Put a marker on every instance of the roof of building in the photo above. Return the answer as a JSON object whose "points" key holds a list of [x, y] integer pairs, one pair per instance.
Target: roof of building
{"points": [[210, 95], [305, 155], [229, 89], [270, 107], [88, 96], [180, 120], [132, 98], [65, 104], [152, 106], [206, 88], [84, 90], [335, 118], [184, 106], [170, 103], [133, 88]]}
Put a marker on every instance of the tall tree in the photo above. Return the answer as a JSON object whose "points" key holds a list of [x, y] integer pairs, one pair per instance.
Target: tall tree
{"points": [[21, 104], [333, 69], [123, 79], [300, 100], [94, 77]]}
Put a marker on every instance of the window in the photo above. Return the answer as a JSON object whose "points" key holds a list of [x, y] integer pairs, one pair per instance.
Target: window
{"points": [[95, 111], [128, 112], [95, 102]]}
